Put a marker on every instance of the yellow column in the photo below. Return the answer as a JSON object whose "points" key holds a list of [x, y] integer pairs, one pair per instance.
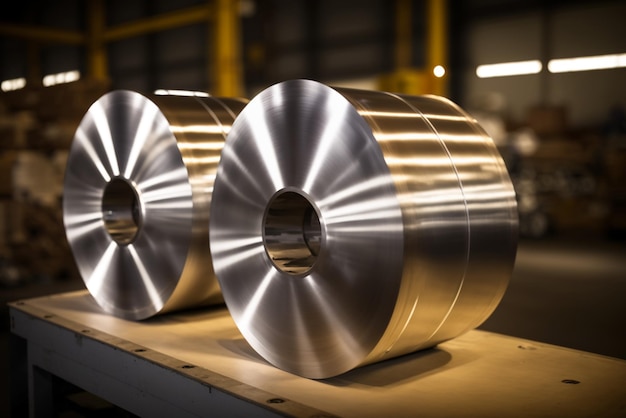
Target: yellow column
{"points": [[96, 49], [405, 78], [437, 44], [225, 57]]}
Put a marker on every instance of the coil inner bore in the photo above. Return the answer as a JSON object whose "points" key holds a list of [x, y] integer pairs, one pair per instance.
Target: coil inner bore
{"points": [[292, 233], [121, 211]]}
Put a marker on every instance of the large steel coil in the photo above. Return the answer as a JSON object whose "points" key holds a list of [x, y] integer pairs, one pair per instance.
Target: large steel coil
{"points": [[136, 200], [351, 226]]}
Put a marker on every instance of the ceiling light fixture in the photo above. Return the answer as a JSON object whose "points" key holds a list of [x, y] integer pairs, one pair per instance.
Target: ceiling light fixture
{"points": [[506, 69]]}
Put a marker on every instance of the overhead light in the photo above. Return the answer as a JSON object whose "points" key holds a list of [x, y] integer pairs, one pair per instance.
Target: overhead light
{"points": [[61, 78], [185, 93], [506, 69], [439, 71], [596, 62], [13, 84]]}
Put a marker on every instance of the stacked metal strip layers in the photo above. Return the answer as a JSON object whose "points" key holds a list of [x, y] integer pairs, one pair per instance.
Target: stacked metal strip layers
{"points": [[136, 200], [350, 226]]}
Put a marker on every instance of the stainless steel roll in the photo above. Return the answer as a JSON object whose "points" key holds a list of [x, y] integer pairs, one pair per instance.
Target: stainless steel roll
{"points": [[136, 199], [350, 226]]}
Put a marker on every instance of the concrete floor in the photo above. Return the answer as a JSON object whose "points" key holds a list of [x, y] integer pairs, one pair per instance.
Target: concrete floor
{"points": [[568, 291]]}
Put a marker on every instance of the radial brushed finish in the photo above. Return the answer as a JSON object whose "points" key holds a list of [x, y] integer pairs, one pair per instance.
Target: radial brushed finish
{"points": [[136, 200], [352, 226]]}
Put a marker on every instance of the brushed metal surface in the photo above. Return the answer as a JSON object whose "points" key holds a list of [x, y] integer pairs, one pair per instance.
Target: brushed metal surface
{"points": [[136, 200], [352, 226]]}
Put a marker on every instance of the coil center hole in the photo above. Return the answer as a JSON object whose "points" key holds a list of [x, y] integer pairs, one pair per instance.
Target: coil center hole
{"points": [[121, 211], [292, 233]]}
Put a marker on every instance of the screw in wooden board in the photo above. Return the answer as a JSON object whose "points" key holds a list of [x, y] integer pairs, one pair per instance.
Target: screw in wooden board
{"points": [[570, 381], [275, 400], [526, 347]]}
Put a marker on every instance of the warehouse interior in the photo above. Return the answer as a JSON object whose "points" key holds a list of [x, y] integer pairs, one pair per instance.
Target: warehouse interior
{"points": [[561, 130]]}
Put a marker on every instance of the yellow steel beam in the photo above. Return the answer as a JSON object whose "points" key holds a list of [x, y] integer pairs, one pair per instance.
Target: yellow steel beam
{"points": [[196, 14], [96, 49], [222, 17], [437, 29], [41, 34], [225, 56]]}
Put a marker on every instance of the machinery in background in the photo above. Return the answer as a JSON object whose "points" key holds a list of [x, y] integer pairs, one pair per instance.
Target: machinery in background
{"points": [[566, 179]]}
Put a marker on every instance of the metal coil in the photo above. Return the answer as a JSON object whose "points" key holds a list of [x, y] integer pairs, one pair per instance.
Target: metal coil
{"points": [[349, 226], [137, 192]]}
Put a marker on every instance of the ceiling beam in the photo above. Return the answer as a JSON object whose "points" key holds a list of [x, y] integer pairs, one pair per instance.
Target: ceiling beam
{"points": [[170, 20], [42, 34]]}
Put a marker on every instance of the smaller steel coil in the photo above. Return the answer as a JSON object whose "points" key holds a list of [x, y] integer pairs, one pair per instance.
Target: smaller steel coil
{"points": [[136, 200]]}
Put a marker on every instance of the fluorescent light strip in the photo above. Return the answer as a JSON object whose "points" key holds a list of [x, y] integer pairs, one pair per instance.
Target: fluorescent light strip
{"points": [[506, 69], [597, 62], [13, 84], [185, 93], [61, 78]]}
